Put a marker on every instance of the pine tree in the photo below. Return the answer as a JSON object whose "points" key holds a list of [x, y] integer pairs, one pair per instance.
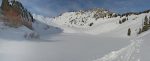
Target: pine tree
{"points": [[140, 31], [127, 18], [124, 19], [120, 22], [146, 21], [146, 25], [129, 32], [149, 20]]}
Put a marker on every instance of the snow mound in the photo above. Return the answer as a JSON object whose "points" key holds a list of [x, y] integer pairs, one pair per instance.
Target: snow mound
{"points": [[129, 53]]}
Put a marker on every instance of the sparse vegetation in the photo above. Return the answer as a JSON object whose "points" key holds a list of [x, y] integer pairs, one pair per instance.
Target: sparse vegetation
{"points": [[146, 25], [123, 20]]}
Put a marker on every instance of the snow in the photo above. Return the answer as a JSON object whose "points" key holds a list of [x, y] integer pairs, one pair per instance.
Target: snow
{"points": [[129, 53], [60, 40], [64, 47], [144, 54]]}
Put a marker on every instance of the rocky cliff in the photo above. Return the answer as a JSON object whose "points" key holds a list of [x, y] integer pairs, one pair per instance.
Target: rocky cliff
{"points": [[15, 14]]}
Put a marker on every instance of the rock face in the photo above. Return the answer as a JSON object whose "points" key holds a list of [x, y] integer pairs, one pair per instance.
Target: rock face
{"points": [[15, 14], [101, 13]]}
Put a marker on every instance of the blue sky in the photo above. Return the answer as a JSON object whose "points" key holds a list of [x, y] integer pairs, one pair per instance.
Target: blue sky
{"points": [[55, 7]]}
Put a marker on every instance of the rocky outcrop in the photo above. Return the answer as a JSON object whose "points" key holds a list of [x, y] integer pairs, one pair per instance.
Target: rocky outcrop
{"points": [[15, 14], [101, 13]]}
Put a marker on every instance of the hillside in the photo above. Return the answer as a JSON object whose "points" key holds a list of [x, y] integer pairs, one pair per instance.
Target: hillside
{"points": [[85, 22]]}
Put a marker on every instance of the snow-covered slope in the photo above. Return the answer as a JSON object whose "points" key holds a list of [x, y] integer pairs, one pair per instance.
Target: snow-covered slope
{"points": [[85, 22], [128, 53]]}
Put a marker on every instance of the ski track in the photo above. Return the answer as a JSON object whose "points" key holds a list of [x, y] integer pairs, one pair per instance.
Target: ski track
{"points": [[128, 53]]}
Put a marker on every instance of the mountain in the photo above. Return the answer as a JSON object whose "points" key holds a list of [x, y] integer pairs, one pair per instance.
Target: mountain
{"points": [[15, 14], [81, 18], [98, 21]]}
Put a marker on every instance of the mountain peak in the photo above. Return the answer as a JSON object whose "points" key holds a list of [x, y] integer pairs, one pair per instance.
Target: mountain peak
{"points": [[15, 14]]}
